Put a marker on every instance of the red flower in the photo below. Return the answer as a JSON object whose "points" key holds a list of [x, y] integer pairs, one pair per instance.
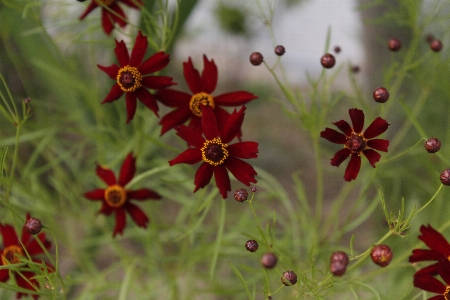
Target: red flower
{"points": [[13, 251], [356, 141], [111, 12], [130, 76], [215, 152], [188, 105], [116, 198], [431, 284], [439, 249]]}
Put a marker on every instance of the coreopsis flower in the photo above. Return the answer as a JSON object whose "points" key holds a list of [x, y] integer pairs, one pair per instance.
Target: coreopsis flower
{"points": [[429, 283], [216, 154], [14, 249], [130, 76], [357, 142], [439, 249], [117, 198], [188, 105], [112, 13]]}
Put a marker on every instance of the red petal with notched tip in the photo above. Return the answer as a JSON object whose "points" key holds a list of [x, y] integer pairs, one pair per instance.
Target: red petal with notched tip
{"points": [[127, 170], [333, 136], [154, 63], [138, 216], [114, 94], [429, 283], [9, 235], [352, 170], [209, 123], [357, 117], [243, 150], [120, 221], [429, 270], [344, 127], [232, 126], [241, 170], [173, 98], [174, 118], [203, 176], [208, 80], [107, 22], [425, 255], [121, 54], [157, 82], [377, 127], [189, 135], [106, 175], [378, 144], [234, 98], [192, 77], [434, 240], [146, 98], [189, 156], [88, 9], [118, 15], [222, 180], [372, 156], [143, 194], [98, 194], [340, 156], [139, 49], [112, 71], [131, 104]]}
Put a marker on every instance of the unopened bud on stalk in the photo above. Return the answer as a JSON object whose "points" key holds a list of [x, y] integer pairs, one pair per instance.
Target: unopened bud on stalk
{"points": [[337, 49], [269, 260], [381, 95], [251, 245], [289, 278], [436, 45], [279, 50], [241, 195], [338, 263], [432, 145], [381, 255], [33, 226], [256, 58], [254, 189], [328, 61], [394, 45], [445, 177]]}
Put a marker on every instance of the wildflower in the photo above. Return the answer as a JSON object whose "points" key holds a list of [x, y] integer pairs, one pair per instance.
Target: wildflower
{"points": [[130, 76], [251, 245], [338, 263], [431, 284], [33, 226], [188, 105], [327, 61], [111, 12], [215, 152], [357, 142], [14, 249], [381, 95], [445, 177], [116, 197], [439, 249], [433, 145], [269, 260], [381, 255], [289, 278], [241, 195], [280, 50], [394, 44], [256, 58]]}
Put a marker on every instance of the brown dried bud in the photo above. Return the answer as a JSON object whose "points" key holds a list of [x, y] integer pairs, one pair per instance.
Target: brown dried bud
{"points": [[394, 45], [338, 263], [337, 49], [445, 177], [254, 189], [280, 50], [256, 58], [251, 245], [33, 226], [381, 95], [240, 195], [269, 260], [436, 45], [432, 145], [328, 61], [381, 255], [289, 278]]}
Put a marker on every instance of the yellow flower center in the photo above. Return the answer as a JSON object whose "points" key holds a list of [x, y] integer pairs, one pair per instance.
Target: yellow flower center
{"points": [[129, 79], [11, 255], [447, 293], [200, 99], [106, 2], [115, 195], [214, 152]]}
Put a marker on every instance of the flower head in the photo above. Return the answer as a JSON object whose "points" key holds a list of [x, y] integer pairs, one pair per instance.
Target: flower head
{"points": [[357, 142], [431, 284], [130, 76], [116, 197], [12, 252], [111, 12], [188, 105], [216, 154]]}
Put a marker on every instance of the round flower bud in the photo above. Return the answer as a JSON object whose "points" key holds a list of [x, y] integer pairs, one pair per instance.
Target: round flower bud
{"points": [[445, 177], [432, 145], [338, 263], [355, 69], [328, 61], [256, 58], [436, 45], [381, 255], [33, 226], [394, 44], [254, 189], [279, 50], [337, 49], [289, 278], [251, 245], [269, 260], [381, 95], [240, 195]]}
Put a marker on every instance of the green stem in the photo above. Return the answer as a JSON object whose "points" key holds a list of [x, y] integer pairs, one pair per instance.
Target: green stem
{"points": [[429, 201], [223, 211]]}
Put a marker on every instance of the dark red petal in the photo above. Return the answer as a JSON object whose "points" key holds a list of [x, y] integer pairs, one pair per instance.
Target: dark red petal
{"points": [[340, 156], [443, 268], [189, 156], [189, 135], [107, 22], [118, 16], [106, 175], [106, 209], [114, 94], [138, 216], [243, 150], [122, 54], [377, 127], [241, 170], [372, 156], [430, 270], [232, 126], [173, 98], [434, 240], [120, 221], [234, 98], [352, 170], [33, 246], [132, 3], [209, 76], [112, 71], [4, 274], [333, 136], [425, 255], [143, 194], [357, 117], [195, 124], [203, 176], [222, 180], [174, 118], [157, 82], [24, 283], [148, 100], [154, 63], [88, 9], [9, 235], [429, 283], [98, 194], [192, 77], [127, 170], [209, 123], [139, 49], [344, 127], [131, 104], [378, 144]]}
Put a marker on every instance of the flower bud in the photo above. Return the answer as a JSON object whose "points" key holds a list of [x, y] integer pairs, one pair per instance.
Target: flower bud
{"points": [[289, 278], [338, 263], [269, 260], [445, 177], [432, 145], [394, 44], [381, 95], [27, 100], [337, 49], [355, 69], [33, 226], [436, 45], [328, 61], [240, 195], [256, 58], [279, 50], [381, 255], [251, 245], [254, 189]]}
